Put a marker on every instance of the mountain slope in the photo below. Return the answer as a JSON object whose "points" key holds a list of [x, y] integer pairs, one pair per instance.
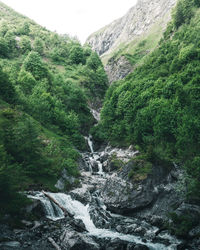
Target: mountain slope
{"points": [[46, 84], [157, 106], [121, 40]]}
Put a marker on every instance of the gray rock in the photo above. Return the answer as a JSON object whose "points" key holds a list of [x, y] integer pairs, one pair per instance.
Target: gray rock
{"points": [[81, 194], [133, 26], [119, 228], [118, 69], [72, 240], [27, 223], [141, 247], [65, 178], [94, 165], [104, 157], [190, 209], [195, 232], [118, 244], [12, 244]]}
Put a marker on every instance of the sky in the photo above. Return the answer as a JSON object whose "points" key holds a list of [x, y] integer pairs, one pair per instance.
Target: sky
{"points": [[77, 18]]}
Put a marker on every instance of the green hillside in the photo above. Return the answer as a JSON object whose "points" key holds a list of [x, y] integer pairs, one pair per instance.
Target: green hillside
{"points": [[157, 106], [47, 82]]}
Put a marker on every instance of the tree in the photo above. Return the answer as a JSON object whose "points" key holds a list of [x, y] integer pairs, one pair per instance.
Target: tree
{"points": [[7, 92], [38, 46], [26, 81], [178, 15], [4, 50], [25, 44], [3, 29], [33, 64], [76, 55], [24, 29], [93, 61], [11, 42]]}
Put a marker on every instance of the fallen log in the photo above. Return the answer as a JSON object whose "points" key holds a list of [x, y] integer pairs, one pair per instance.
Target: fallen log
{"points": [[54, 243], [60, 206]]}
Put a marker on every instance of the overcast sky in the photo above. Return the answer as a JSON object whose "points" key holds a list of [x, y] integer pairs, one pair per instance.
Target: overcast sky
{"points": [[74, 17]]}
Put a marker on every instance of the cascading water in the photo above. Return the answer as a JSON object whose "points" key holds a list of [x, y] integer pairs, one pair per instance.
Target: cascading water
{"points": [[95, 114], [89, 139], [79, 211], [52, 211], [94, 158], [84, 212]]}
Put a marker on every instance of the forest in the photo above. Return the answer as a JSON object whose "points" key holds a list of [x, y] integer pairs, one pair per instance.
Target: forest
{"points": [[157, 107], [47, 83]]}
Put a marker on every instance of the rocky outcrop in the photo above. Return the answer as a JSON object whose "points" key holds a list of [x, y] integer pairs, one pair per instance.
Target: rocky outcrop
{"points": [[118, 69], [70, 239], [141, 206], [134, 26], [64, 179], [136, 22], [154, 195]]}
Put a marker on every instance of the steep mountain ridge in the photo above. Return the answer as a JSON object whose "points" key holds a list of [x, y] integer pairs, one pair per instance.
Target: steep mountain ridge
{"points": [[123, 35]]}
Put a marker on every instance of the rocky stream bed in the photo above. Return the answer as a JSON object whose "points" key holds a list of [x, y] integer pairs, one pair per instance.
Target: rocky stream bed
{"points": [[107, 210]]}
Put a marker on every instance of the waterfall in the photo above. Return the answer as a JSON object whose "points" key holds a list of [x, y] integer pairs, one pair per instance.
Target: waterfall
{"points": [[90, 144], [100, 166], [95, 114], [80, 211], [94, 157], [52, 211]]}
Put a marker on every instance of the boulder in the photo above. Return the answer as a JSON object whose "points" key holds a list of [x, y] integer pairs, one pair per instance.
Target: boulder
{"points": [[65, 178], [72, 240], [118, 244], [140, 247]]}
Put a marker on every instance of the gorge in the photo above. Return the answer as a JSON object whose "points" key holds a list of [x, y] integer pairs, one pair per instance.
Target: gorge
{"points": [[88, 162]]}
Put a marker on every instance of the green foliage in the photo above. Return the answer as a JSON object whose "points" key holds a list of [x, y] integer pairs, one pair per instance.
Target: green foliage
{"points": [[38, 46], [33, 64], [11, 43], [43, 106], [3, 48], [77, 55], [115, 162], [140, 169], [25, 44], [26, 81], [7, 92], [24, 29], [93, 61], [183, 12], [157, 106], [181, 224]]}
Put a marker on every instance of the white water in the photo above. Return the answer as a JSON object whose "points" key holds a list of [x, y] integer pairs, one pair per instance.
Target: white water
{"points": [[52, 211], [94, 156], [81, 212], [90, 144], [95, 114]]}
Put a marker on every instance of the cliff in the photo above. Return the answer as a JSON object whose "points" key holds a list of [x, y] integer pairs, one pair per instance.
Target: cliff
{"points": [[143, 22]]}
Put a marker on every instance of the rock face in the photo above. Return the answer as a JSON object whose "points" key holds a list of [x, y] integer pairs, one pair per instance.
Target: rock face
{"points": [[118, 69], [135, 24], [153, 195], [137, 21]]}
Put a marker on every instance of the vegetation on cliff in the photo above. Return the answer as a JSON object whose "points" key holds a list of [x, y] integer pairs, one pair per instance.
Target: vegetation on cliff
{"points": [[157, 106]]}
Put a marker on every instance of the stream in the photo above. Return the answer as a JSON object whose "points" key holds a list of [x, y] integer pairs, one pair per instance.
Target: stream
{"points": [[100, 223]]}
